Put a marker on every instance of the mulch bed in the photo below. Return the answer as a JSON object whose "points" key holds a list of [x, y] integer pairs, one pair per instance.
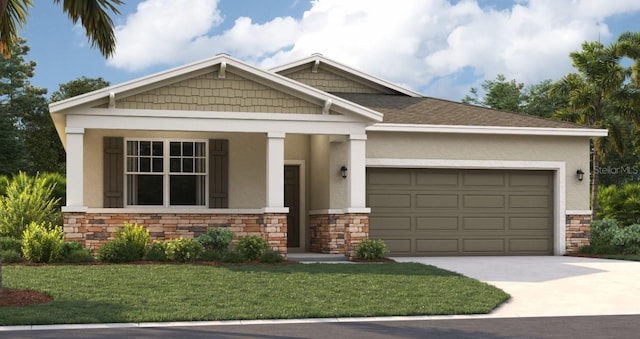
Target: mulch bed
{"points": [[17, 298]]}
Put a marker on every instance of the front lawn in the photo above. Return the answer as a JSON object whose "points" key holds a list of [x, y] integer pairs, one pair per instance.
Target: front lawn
{"points": [[153, 293]]}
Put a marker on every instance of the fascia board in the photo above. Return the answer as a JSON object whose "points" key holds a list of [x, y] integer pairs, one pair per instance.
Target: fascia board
{"points": [[586, 132]]}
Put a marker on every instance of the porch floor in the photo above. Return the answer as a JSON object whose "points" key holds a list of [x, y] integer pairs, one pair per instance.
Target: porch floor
{"points": [[308, 257]]}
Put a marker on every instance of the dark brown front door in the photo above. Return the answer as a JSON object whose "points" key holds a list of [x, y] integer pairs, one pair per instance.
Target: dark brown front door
{"points": [[292, 200]]}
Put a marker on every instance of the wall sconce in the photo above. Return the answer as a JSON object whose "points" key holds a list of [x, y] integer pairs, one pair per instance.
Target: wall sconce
{"points": [[343, 171], [580, 174]]}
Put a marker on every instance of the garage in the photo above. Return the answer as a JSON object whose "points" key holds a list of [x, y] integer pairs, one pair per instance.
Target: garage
{"points": [[458, 212]]}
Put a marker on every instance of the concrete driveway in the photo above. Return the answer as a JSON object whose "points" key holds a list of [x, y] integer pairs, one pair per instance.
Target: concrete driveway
{"points": [[552, 285]]}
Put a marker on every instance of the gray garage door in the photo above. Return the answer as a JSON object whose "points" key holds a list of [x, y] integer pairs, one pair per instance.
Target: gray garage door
{"points": [[461, 212]]}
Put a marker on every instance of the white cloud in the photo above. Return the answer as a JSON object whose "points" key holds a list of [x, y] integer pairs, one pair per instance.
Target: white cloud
{"points": [[426, 45]]}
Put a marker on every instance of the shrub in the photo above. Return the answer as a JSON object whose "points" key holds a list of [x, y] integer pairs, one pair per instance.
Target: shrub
{"points": [[627, 239], [136, 235], [620, 203], [371, 249], [26, 200], [4, 182], [252, 247], [271, 257], [11, 256], [117, 251], [183, 249], [234, 257], [10, 243], [216, 240], [59, 183], [42, 243], [73, 252], [157, 251]]}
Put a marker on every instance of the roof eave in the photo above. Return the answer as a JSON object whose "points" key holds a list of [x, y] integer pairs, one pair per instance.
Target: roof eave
{"points": [[500, 130]]}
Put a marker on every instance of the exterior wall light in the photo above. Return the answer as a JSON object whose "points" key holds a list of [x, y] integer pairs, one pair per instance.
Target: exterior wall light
{"points": [[343, 171], [580, 174]]}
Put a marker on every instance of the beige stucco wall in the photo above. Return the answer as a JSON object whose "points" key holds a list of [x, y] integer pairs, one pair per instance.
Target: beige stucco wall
{"points": [[319, 169], [339, 188], [247, 163], [574, 151]]}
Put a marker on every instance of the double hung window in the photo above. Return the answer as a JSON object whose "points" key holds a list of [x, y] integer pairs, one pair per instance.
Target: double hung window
{"points": [[166, 172]]}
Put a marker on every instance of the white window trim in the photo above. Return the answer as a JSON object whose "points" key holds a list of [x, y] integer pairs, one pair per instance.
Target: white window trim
{"points": [[166, 174]]}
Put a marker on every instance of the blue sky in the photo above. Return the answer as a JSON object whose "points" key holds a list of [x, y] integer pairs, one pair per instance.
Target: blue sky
{"points": [[439, 48]]}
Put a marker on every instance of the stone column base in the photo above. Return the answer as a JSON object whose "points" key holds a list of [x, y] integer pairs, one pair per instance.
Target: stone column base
{"points": [[338, 233], [577, 232]]}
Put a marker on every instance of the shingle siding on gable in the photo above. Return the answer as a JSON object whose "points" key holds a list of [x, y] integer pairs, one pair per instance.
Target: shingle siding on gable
{"points": [[330, 82], [209, 93]]}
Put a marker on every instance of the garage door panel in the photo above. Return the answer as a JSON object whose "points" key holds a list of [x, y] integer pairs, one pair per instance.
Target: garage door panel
{"points": [[436, 201], [483, 201], [389, 200], [436, 179], [463, 212], [483, 223], [437, 223], [530, 245], [439, 246], [391, 223], [389, 177], [530, 223]]}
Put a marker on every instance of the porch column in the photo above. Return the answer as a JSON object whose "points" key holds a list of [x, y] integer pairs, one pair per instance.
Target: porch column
{"points": [[357, 173], [275, 170], [75, 169]]}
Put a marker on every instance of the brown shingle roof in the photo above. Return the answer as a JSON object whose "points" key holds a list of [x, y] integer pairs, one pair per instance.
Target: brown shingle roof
{"points": [[399, 109]]}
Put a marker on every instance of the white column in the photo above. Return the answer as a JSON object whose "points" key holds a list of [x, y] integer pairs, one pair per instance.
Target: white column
{"points": [[275, 171], [75, 169], [356, 173]]}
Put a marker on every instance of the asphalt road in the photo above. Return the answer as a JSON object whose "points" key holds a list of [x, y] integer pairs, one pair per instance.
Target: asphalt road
{"points": [[627, 326]]}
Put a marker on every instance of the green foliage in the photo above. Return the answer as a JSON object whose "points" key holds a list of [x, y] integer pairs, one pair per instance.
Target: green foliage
{"points": [[157, 251], [608, 237], [11, 256], [252, 247], [4, 182], [136, 235], [183, 249], [234, 257], [627, 239], [28, 199], [73, 252], [622, 204], [216, 240], [10, 243], [117, 251], [371, 249], [271, 257], [59, 184], [42, 244]]}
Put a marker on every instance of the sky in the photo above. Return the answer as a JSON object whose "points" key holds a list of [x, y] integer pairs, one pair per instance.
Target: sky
{"points": [[439, 48]]}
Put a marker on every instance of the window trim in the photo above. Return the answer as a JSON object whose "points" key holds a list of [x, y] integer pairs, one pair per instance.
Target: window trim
{"points": [[166, 173]]}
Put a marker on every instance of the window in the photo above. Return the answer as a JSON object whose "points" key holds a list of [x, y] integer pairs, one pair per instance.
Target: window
{"points": [[166, 172]]}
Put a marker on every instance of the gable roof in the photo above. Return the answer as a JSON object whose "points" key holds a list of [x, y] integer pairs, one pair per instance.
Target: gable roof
{"points": [[219, 62], [410, 113], [318, 60]]}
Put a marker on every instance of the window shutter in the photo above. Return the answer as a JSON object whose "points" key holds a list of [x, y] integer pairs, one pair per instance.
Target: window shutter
{"points": [[218, 173], [113, 172]]}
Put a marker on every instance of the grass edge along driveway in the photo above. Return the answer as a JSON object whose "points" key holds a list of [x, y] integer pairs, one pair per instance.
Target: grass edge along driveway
{"points": [[160, 293]]}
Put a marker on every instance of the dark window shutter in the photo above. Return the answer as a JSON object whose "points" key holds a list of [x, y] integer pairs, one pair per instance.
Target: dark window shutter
{"points": [[113, 172], [218, 173]]}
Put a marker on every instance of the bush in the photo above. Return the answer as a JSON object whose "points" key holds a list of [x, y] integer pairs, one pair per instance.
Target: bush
{"points": [[183, 249], [620, 203], [157, 251], [11, 256], [271, 257], [117, 251], [627, 239], [9, 243], [42, 244], [73, 252], [371, 249], [4, 182], [26, 200], [136, 235], [216, 240], [252, 247], [59, 183], [234, 257]]}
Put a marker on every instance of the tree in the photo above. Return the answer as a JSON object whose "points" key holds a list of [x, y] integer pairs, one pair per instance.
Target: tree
{"points": [[78, 86], [597, 98], [92, 14], [499, 94]]}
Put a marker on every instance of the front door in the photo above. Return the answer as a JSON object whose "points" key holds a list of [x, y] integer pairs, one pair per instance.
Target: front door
{"points": [[292, 200]]}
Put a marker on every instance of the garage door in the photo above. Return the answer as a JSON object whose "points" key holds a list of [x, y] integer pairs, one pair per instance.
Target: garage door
{"points": [[461, 212]]}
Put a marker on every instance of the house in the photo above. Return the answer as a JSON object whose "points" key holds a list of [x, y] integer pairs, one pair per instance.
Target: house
{"points": [[316, 156]]}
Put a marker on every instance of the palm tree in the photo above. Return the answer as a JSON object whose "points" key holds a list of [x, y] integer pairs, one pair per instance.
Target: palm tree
{"points": [[597, 94], [92, 14]]}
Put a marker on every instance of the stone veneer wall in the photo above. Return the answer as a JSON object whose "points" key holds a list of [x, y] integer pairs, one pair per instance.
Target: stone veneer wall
{"points": [[92, 230], [337, 233], [577, 232]]}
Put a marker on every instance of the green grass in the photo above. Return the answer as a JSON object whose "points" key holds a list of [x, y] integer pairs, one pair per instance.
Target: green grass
{"points": [[150, 293], [630, 257]]}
